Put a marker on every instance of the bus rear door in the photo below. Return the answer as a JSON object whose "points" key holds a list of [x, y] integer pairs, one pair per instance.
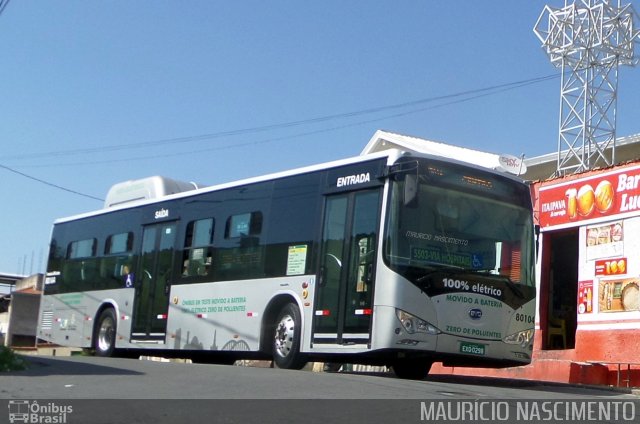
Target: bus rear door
{"points": [[153, 283]]}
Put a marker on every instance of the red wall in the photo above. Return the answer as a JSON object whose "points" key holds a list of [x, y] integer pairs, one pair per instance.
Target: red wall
{"points": [[570, 365]]}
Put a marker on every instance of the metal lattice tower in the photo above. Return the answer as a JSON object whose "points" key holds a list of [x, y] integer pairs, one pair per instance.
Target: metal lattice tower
{"points": [[588, 40]]}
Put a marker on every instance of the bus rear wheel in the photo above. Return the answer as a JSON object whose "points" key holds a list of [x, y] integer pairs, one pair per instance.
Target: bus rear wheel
{"points": [[286, 339], [104, 338], [412, 369]]}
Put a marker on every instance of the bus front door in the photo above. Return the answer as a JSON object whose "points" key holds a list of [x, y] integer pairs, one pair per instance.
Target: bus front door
{"points": [[152, 285], [344, 293]]}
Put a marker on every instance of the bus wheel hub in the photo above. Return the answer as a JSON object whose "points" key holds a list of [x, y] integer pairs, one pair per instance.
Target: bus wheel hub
{"points": [[284, 335]]}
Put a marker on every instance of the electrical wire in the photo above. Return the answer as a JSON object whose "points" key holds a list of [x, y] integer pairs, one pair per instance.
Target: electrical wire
{"points": [[472, 94], [480, 93], [50, 184], [3, 5], [264, 128]]}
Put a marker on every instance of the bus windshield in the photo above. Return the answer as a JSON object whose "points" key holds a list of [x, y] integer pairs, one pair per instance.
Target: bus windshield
{"points": [[442, 216]]}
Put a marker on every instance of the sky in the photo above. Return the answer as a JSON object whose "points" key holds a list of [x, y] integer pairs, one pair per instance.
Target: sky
{"points": [[93, 93]]}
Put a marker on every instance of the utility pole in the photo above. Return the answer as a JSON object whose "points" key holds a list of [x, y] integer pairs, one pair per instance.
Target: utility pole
{"points": [[588, 40]]}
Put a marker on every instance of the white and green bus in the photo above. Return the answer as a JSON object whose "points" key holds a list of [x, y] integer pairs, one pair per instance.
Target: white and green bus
{"points": [[391, 259]]}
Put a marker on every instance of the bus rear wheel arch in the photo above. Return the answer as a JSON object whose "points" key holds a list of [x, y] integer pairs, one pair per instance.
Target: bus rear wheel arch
{"points": [[286, 338], [104, 334]]}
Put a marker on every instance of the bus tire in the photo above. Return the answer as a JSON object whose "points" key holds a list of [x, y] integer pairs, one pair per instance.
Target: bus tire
{"points": [[104, 339], [286, 339], [412, 369]]}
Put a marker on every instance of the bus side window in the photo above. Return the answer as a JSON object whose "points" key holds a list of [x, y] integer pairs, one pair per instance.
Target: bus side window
{"points": [[198, 248], [241, 255], [81, 264], [117, 252]]}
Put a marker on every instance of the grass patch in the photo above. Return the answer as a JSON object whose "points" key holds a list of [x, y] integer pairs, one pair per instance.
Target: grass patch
{"points": [[9, 361]]}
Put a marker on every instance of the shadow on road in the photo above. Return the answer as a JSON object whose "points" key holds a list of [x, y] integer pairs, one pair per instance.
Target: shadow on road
{"points": [[38, 366]]}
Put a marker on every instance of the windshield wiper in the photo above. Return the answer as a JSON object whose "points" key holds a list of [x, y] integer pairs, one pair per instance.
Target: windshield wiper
{"points": [[447, 270], [437, 267]]}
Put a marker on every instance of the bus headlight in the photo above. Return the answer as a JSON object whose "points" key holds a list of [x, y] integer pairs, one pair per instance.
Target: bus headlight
{"points": [[523, 338], [413, 324]]}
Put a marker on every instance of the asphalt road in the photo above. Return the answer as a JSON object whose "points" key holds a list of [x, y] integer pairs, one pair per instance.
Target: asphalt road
{"points": [[115, 390]]}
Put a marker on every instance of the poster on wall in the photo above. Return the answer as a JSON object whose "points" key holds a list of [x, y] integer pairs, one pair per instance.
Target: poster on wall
{"points": [[604, 240], [619, 295], [585, 297], [613, 266]]}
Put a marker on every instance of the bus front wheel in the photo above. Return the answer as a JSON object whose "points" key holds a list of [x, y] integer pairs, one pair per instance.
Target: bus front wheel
{"points": [[286, 339], [105, 335]]}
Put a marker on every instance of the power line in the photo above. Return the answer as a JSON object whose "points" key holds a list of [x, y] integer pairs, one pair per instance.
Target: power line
{"points": [[472, 94], [479, 93], [50, 184], [264, 128], [3, 5]]}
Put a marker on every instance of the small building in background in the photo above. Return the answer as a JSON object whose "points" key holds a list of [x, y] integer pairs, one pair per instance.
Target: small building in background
{"points": [[23, 304], [589, 275], [7, 285]]}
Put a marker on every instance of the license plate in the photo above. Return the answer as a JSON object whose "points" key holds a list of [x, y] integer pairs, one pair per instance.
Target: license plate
{"points": [[471, 348]]}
